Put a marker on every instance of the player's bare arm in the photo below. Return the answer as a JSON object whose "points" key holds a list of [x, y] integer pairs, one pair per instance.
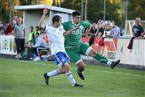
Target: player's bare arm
{"points": [[45, 11], [71, 30]]}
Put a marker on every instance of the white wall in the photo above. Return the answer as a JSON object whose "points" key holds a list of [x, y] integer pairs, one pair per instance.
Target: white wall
{"points": [[136, 56], [31, 18]]}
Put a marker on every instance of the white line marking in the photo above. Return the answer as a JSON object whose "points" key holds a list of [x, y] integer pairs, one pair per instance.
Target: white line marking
{"points": [[119, 73]]}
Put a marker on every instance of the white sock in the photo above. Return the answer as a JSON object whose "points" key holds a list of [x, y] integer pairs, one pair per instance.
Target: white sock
{"points": [[53, 73], [70, 78], [109, 63]]}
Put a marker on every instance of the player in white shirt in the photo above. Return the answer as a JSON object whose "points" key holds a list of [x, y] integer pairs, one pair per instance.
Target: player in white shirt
{"points": [[55, 33]]}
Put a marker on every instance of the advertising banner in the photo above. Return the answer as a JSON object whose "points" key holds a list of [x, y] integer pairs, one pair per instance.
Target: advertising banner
{"points": [[104, 46], [7, 45]]}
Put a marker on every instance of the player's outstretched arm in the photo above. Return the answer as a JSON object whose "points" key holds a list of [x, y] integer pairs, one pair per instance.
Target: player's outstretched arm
{"points": [[71, 30], [45, 11]]}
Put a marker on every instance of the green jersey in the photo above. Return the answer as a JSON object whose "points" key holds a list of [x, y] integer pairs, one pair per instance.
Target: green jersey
{"points": [[73, 40], [31, 37]]}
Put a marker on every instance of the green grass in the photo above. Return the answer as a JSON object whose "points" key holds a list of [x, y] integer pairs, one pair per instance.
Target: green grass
{"points": [[24, 79]]}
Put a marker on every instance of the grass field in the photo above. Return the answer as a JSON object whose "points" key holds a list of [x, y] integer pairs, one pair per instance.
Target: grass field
{"points": [[24, 79]]}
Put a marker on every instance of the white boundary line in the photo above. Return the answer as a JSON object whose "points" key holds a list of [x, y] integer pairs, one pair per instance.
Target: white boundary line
{"points": [[119, 73]]}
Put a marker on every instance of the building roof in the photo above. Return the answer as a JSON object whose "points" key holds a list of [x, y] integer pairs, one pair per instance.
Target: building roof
{"points": [[42, 6]]}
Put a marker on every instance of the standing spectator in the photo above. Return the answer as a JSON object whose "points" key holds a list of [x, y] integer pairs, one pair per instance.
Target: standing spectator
{"points": [[94, 30], [115, 31], [100, 27], [31, 41], [13, 23], [137, 28], [31, 37], [9, 28], [107, 28], [19, 32]]}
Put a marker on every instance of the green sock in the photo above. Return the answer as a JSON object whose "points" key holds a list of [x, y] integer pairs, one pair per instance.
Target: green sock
{"points": [[79, 71], [101, 58]]}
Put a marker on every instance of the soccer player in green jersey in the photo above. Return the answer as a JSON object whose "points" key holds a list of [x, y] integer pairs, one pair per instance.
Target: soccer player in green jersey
{"points": [[74, 47]]}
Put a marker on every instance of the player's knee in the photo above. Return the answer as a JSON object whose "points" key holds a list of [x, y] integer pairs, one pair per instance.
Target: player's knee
{"points": [[92, 53], [65, 68], [82, 67]]}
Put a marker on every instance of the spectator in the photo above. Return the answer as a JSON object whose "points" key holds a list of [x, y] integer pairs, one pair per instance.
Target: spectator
{"points": [[31, 41], [107, 28], [31, 37], [9, 28], [19, 32], [37, 29], [13, 23], [94, 30], [100, 27], [137, 28], [40, 45], [115, 31]]}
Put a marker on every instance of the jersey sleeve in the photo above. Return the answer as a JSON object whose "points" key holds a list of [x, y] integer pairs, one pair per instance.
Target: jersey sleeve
{"points": [[65, 26], [85, 24]]}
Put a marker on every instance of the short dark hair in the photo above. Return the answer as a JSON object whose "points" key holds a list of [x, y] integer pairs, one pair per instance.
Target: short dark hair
{"points": [[76, 13], [32, 27], [37, 33], [56, 18]]}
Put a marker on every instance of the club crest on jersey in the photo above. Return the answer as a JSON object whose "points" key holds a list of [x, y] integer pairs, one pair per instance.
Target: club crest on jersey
{"points": [[60, 29], [81, 27]]}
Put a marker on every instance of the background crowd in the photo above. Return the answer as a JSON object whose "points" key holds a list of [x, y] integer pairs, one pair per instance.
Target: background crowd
{"points": [[38, 41]]}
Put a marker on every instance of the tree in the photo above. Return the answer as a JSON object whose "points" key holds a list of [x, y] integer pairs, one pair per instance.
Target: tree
{"points": [[96, 9], [4, 13], [136, 8], [26, 2], [72, 4]]}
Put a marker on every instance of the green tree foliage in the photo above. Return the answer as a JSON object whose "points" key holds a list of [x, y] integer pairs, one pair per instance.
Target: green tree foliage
{"points": [[72, 4], [26, 2], [96, 9], [4, 13], [136, 8]]}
